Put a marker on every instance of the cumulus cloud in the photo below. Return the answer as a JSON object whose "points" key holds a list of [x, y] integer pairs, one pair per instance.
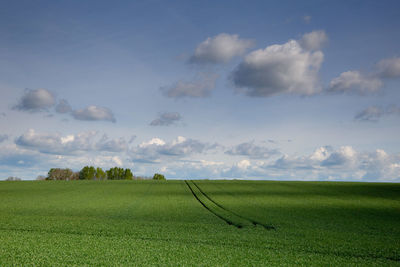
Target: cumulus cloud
{"points": [[112, 145], [355, 82], [63, 107], [55, 143], [380, 165], [314, 40], [94, 113], [360, 83], [252, 150], [343, 163], [200, 87], [389, 68], [166, 119], [345, 155], [325, 163], [35, 100], [220, 49], [156, 148], [374, 113], [277, 69]]}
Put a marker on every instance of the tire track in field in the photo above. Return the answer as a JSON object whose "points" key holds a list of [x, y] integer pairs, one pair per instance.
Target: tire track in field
{"points": [[228, 221], [254, 222]]}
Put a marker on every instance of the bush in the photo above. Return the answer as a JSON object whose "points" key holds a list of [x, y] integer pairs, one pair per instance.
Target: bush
{"points": [[158, 176]]}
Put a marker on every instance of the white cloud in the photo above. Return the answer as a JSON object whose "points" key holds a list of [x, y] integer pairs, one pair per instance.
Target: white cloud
{"points": [[155, 149], [277, 69], [321, 153], [345, 155], [94, 113], [54, 143], [166, 119], [154, 141], [200, 87], [252, 150], [313, 40], [374, 113], [355, 82], [389, 68], [112, 145], [244, 164], [36, 100], [220, 48]]}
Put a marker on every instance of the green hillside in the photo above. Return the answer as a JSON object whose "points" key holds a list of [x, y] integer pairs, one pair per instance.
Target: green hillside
{"points": [[209, 223]]}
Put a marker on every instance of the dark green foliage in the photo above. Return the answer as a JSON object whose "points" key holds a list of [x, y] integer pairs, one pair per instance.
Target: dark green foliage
{"points": [[87, 173], [100, 174], [117, 173], [128, 174], [90, 173], [158, 176]]}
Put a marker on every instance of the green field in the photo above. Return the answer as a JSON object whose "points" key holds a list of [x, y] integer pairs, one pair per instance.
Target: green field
{"points": [[234, 223]]}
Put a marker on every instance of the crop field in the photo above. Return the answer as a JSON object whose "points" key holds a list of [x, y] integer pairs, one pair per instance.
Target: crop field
{"points": [[191, 223]]}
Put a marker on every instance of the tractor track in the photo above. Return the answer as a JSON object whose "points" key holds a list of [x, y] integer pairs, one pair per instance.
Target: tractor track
{"points": [[228, 221], [254, 222], [231, 213]]}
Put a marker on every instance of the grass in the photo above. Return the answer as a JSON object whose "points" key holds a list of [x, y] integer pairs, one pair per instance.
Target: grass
{"points": [[163, 223]]}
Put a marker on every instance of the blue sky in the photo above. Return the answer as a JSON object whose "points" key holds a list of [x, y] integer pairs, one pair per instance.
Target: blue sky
{"points": [[202, 89]]}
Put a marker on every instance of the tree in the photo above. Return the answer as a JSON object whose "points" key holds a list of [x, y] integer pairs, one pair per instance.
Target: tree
{"points": [[100, 174], [128, 174], [75, 176], [113, 173], [87, 173], [59, 174], [158, 176], [117, 173], [11, 178]]}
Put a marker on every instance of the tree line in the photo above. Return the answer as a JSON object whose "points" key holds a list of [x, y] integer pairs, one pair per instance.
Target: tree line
{"points": [[92, 173]]}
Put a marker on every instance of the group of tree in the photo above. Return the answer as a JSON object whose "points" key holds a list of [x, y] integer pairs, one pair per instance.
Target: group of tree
{"points": [[12, 178], [62, 174], [158, 176], [92, 173]]}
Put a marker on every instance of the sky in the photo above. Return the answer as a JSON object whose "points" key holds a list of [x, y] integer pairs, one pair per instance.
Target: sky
{"points": [[283, 90]]}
